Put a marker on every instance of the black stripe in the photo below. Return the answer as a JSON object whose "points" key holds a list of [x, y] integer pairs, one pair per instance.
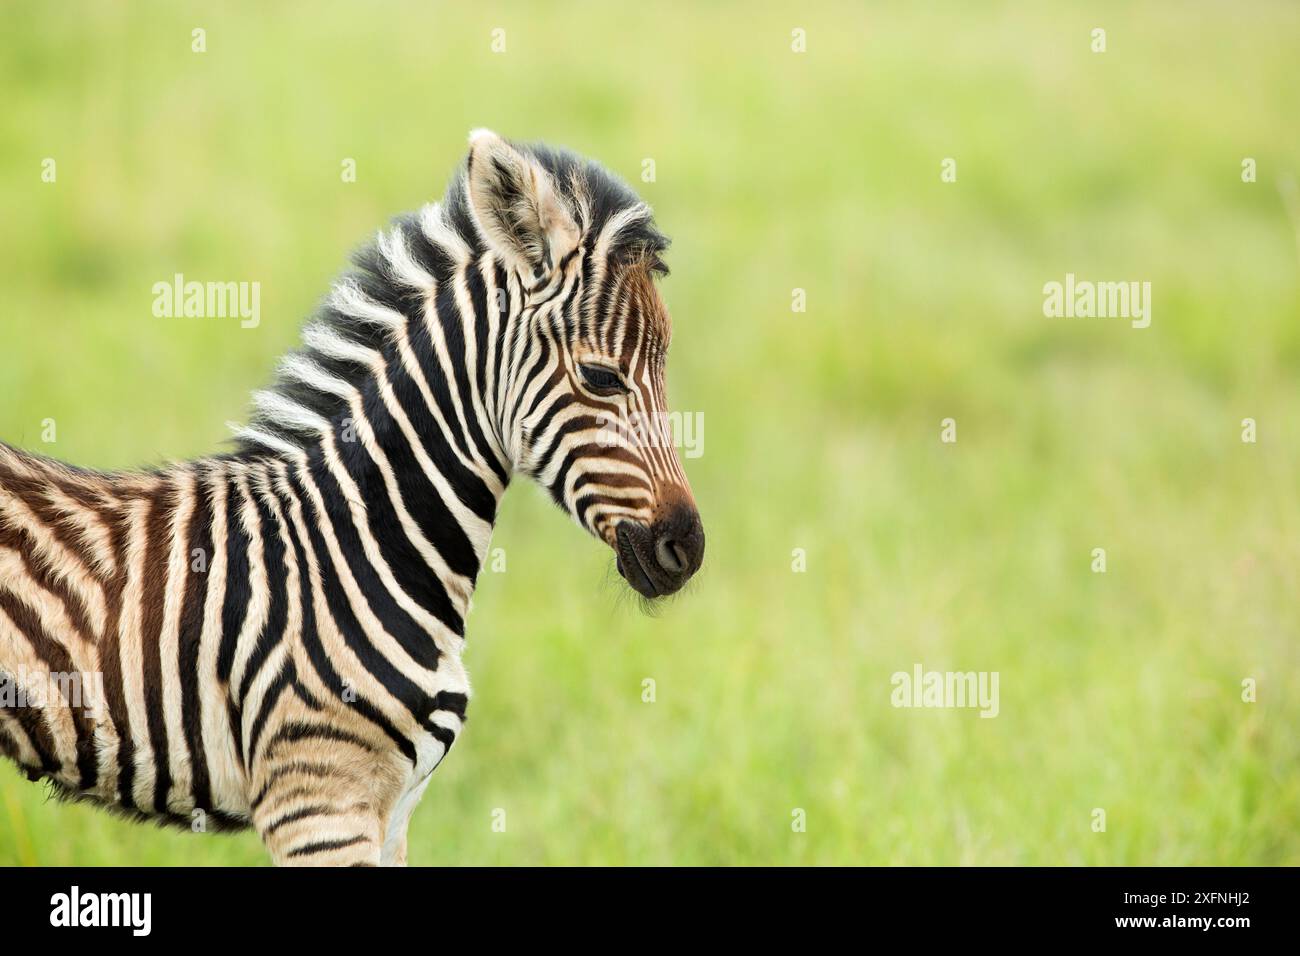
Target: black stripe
{"points": [[442, 734], [611, 479], [478, 296], [317, 770], [269, 700], [321, 846], [8, 745], [193, 605], [303, 694], [157, 552], [451, 702], [292, 731], [233, 722], [234, 607], [293, 816]]}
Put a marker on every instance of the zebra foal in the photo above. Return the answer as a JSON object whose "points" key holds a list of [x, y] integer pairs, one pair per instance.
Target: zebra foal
{"points": [[272, 637]]}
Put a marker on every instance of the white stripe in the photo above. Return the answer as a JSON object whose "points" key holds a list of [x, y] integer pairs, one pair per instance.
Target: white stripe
{"points": [[302, 369], [394, 248], [328, 342], [347, 297], [442, 235], [255, 435], [287, 413]]}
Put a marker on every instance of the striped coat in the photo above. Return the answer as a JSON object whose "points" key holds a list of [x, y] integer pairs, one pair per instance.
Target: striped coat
{"points": [[273, 636]]}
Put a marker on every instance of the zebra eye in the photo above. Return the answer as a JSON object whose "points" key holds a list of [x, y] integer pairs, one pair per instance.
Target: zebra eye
{"points": [[602, 380]]}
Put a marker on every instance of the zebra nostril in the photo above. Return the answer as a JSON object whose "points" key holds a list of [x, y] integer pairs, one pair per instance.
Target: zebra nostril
{"points": [[672, 556]]}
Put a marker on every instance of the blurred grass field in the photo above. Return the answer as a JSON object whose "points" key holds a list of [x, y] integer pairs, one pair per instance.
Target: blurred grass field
{"points": [[774, 171]]}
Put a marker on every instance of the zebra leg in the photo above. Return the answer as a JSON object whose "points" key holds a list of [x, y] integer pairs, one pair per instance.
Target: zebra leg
{"points": [[323, 810], [304, 825]]}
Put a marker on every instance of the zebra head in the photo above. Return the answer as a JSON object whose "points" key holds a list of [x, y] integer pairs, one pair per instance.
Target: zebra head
{"points": [[586, 336]]}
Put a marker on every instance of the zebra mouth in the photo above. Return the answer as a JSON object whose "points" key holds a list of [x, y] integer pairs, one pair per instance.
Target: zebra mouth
{"points": [[631, 565]]}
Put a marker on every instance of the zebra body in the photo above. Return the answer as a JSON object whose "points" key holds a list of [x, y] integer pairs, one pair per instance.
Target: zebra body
{"points": [[273, 637]]}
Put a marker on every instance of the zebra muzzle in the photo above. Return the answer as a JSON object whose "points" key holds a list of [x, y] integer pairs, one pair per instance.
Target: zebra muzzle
{"points": [[657, 560]]}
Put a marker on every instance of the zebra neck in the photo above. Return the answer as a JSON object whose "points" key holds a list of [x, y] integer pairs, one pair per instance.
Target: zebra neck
{"points": [[404, 479], [425, 482]]}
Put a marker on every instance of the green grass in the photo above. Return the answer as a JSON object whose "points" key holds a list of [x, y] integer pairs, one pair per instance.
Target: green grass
{"points": [[775, 170]]}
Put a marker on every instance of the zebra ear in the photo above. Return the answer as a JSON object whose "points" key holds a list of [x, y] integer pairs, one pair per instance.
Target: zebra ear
{"points": [[517, 206]]}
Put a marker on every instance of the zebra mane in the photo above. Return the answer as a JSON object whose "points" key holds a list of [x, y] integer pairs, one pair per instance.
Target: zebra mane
{"points": [[386, 289]]}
